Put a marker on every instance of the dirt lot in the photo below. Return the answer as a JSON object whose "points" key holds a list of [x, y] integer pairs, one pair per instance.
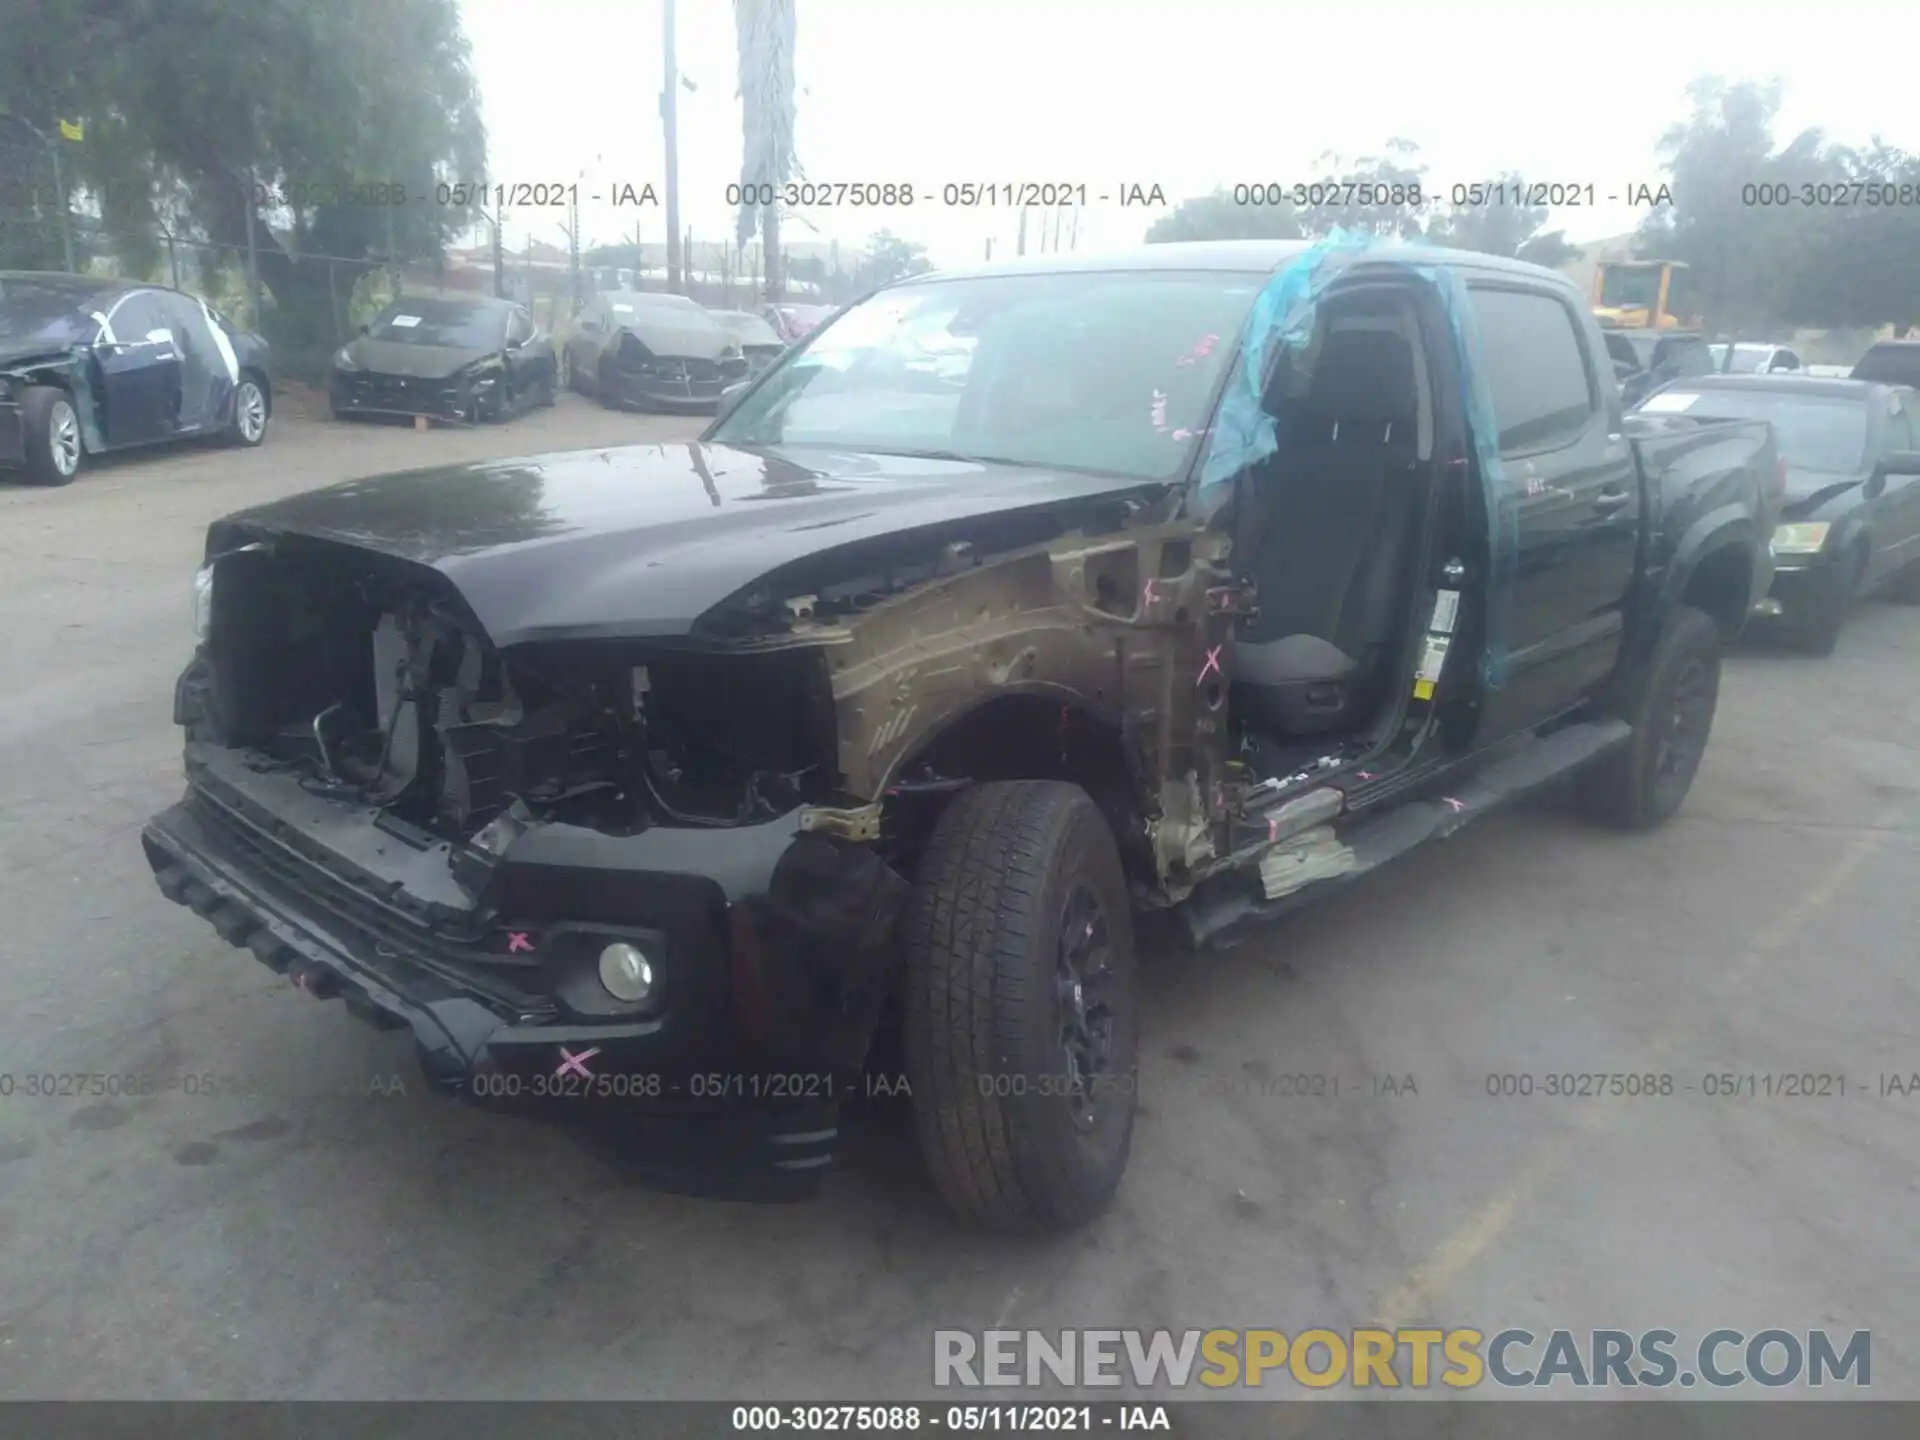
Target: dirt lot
{"points": [[302, 1231]]}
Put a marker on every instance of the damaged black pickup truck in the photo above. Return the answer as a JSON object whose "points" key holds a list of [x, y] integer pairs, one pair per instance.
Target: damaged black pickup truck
{"points": [[650, 786]]}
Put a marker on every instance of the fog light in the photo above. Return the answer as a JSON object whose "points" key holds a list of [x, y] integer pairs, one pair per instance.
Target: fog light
{"points": [[626, 972]]}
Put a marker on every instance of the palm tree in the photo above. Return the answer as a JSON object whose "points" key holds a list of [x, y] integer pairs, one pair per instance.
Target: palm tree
{"points": [[765, 30]]}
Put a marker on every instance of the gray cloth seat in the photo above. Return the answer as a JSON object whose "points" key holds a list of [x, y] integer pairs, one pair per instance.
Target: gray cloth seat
{"points": [[1334, 514]]}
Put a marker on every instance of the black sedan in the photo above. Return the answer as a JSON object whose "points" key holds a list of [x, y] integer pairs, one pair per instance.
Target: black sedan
{"points": [[89, 366], [465, 359], [1851, 520]]}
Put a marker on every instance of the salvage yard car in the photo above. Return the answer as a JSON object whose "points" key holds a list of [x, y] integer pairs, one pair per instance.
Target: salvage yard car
{"points": [[651, 350], [1851, 519], [651, 787], [458, 359], [89, 366], [759, 341]]}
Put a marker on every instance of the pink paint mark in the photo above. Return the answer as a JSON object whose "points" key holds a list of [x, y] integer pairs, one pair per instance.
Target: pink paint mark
{"points": [[1457, 805], [1366, 775], [518, 940], [1213, 665], [576, 1063], [1184, 434], [1151, 592]]}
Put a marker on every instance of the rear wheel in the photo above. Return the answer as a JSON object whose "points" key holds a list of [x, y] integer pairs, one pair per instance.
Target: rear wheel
{"points": [[1019, 1019], [249, 412], [1670, 702], [50, 428]]}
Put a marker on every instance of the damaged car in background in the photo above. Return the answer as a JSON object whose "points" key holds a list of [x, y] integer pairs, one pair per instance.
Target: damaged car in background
{"points": [[660, 788], [1850, 482], [89, 366], [649, 350], [458, 359], [758, 340]]}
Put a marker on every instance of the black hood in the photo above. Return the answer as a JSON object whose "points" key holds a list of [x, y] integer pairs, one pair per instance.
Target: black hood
{"points": [[643, 540], [1817, 490], [416, 362]]}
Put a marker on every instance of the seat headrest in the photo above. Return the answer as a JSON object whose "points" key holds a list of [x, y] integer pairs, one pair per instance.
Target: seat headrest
{"points": [[1364, 375]]}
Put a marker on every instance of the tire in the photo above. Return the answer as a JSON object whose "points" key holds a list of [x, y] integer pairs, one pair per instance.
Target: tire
{"points": [[604, 392], [249, 426], [549, 392], [1010, 993], [1670, 703], [50, 429], [1816, 630], [1904, 587], [564, 368]]}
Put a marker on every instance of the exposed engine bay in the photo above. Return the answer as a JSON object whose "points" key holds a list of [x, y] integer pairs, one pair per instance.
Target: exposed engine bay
{"points": [[376, 686]]}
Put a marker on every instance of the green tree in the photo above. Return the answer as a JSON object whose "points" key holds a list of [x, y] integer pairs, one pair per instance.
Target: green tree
{"points": [[889, 258], [764, 32], [1740, 253], [1218, 217], [1514, 231], [202, 113], [1357, 198], [1857, 264]]}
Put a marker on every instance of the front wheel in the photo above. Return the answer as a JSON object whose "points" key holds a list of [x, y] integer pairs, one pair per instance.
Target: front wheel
{"points": [[1020, 1026], [1816, 630], [1670, 703], [50, 426]]}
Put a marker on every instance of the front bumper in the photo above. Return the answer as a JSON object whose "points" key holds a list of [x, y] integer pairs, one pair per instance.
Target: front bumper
{"points": [[1801, 583], [775, 964], [673, 384], [366, 392]]}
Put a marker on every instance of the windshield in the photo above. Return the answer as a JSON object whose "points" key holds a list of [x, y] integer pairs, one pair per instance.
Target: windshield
{"points": [[1635, 285], [453, 323], [1890, 365], [1827, 433], [1103, 371], [1749, 359]]}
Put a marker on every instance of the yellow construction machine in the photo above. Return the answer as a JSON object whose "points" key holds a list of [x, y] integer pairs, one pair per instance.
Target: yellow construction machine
{"points": [[1644, 295]]}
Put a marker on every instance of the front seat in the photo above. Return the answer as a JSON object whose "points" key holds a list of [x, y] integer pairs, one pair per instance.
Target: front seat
{"points": [[1334, 511]]}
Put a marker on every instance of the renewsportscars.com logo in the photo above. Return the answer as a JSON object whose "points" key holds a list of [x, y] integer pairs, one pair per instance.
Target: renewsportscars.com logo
{"points": [[1460, 1359]]}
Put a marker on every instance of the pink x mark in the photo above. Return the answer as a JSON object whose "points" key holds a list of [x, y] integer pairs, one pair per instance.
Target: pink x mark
{"points": [[1213, 664], [576, 1063], [1148, 595], [518, 940], [1457, 805]]}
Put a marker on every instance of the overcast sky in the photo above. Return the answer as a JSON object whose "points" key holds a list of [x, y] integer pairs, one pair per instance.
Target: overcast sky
{"points": [[1185, 95]]}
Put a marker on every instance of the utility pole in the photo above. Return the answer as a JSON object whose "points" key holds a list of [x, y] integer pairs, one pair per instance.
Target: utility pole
{"points": [[499, 257], [670, 123], [253, 255], [1020, 246], [66, 216]]}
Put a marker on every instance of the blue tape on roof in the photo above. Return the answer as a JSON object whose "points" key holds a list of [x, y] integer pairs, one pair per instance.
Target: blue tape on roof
{"points": [[1283, 318]]}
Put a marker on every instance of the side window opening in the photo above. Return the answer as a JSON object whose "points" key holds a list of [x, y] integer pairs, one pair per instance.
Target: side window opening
{"points": [[1544, 396]]}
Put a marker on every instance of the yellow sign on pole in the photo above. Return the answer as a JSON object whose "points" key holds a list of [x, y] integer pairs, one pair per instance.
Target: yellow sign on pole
{"points": [[73, 129]]}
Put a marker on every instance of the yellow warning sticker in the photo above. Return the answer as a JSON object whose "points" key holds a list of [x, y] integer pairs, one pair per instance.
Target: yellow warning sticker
{"points": [[1423, 689]]}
